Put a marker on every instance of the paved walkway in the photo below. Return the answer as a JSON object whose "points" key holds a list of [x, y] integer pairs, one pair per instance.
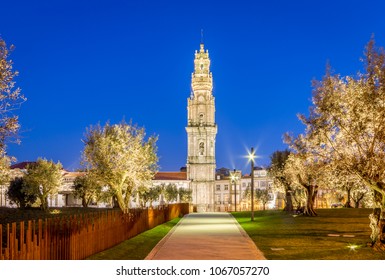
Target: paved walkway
{"points": [[206, 236]]}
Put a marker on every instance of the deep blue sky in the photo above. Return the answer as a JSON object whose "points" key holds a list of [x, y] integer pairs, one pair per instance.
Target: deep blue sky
{"points": [[84, 62]]}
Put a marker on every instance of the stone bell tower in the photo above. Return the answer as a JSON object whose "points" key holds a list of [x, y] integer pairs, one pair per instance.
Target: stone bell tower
{"points": [[201, 132]]}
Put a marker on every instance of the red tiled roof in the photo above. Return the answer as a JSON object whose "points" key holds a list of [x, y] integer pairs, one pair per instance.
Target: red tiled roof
{"points": [[170, 176]]}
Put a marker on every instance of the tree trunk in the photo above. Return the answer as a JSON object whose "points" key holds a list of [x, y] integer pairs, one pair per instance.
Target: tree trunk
{"points": [[347, 204], [311, 193], [358, 199], [289, 201], [84, 201], [22, 204], [44, 203], [121, 202], [356, 204], [377, 224]]}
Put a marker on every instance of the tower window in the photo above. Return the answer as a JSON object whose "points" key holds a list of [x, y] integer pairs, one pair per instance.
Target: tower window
{"points": [[201, 148]]}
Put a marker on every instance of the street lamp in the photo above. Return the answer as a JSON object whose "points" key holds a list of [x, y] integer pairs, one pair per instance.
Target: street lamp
{"points": [[251, 157], [234, 179]]}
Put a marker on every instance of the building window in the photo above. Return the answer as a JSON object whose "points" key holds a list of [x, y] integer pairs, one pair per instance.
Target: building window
{"points": [[226, 187], [201, 148], [218, 187]]}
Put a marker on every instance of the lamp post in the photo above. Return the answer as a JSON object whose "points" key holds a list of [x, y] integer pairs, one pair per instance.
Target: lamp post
{"points": [[251, 158], [234, 179]]}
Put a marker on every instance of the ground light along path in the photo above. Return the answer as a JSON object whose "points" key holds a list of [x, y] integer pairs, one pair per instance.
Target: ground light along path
{"points": [[206, 236]]}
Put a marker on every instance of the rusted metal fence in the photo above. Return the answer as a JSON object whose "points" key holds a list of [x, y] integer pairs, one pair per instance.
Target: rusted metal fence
{"points": [[79, 236]]}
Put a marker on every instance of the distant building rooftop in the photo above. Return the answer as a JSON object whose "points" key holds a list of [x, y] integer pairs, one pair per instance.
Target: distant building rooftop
{"points": [[170, 176], [22, 165]]}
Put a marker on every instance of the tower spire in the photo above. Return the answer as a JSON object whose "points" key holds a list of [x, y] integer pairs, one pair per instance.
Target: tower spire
{"points": [[202, 36]]}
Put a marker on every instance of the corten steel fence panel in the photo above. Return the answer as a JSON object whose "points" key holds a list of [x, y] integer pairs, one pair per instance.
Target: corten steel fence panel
{"points": [[76, 237]]}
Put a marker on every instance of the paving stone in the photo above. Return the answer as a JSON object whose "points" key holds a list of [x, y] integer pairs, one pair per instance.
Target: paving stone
{"points": [[206, 236]]}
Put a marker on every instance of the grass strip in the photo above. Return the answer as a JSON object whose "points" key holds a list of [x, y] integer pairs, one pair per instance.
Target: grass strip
{"points": [[335, 234], [138, 247]]}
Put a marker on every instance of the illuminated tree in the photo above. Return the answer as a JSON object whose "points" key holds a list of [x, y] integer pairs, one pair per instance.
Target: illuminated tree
{"points": [[351, 188], [10, 97], [88, 188], [246, 195], [304, 172], [10, 100], [359, 195], [346, 126], [170, 193], [281, 182], [43, 179], [263, 196], [4, 168], [121, 158], [146, 195], [185, 195]]}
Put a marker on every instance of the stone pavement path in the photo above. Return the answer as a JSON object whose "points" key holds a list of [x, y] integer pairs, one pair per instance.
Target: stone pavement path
{"points": [[206, 236]]}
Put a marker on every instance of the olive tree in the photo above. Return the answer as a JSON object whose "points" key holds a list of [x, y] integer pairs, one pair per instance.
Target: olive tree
{"points": [[10, 100], [43, 179], [10, 97], [17, 195], [144, 194], [88, 188], [263, 196], [185, 195], [121, 157], [281, 182], [346, 126]]}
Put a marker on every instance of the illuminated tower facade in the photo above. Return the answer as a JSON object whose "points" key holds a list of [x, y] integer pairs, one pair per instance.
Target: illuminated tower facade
{"points": [[201, 132]]}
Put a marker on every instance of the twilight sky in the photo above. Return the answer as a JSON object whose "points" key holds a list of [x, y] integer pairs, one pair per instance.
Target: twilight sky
{"points": [[84, 62]]}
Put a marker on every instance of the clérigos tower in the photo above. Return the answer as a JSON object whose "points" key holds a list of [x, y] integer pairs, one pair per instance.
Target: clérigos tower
{"points": [[201, 132]]}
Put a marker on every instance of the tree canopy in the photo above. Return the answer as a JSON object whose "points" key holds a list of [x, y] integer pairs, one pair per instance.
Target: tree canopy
{"points": [[121, 157], [43, 179], [88, 188], [281, 182], [345, 129], [17, 194], [10, 100]]}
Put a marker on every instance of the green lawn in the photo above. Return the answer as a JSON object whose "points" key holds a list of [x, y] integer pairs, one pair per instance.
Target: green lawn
{"points": [[281, 236], [138, 247]]}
